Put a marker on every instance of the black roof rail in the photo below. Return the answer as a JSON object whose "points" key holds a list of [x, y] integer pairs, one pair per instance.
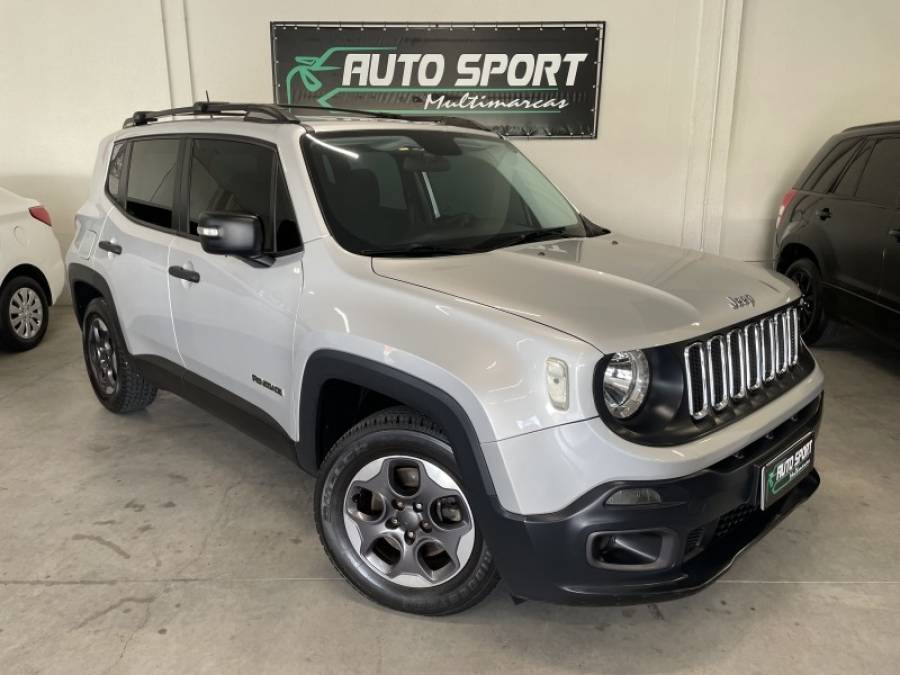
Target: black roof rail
{"points": [[352, 111], [873, 125], [439, 119], [278, 113], [246, 111]]}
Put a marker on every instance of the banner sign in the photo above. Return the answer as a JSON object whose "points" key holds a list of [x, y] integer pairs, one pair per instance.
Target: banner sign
{"points": [[535, 80]]}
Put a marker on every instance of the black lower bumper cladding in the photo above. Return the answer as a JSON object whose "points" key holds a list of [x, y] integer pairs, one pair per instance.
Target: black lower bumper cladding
{"points": [[705, 521]]}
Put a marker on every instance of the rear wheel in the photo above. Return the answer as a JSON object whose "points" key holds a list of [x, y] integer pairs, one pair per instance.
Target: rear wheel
{"points": [[813, 321], [113, 374], [394, 518], [23, 314]]}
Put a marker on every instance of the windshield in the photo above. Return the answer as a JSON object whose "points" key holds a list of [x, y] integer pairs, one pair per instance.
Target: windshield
{"points": [[429, 192]]}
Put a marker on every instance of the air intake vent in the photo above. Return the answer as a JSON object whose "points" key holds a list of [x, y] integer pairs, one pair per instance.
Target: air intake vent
{"points": [[727, 367]]}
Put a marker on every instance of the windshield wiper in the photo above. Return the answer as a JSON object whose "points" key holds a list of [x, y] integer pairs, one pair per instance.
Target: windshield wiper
{"points": [[531, 237], [417, 250]]}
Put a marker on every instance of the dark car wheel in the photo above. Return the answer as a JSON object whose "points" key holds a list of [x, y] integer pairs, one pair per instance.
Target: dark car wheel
{"points": [[23, 314], [813, 321], [113, 374], [394, 518]]}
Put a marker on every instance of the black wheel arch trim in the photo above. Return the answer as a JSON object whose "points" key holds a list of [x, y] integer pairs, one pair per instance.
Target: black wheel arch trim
{"points": [[328, 364], [82, 274]]}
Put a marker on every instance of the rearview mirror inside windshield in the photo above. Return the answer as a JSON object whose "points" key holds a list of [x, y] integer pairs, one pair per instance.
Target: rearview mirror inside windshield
{"points": [[425, 163]]}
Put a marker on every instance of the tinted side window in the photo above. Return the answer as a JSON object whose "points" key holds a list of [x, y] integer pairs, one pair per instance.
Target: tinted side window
{"points": [[824, 175], [116, 172], [287, 231], [880, 180], [847, 184], [151, 180], [231, 176]]}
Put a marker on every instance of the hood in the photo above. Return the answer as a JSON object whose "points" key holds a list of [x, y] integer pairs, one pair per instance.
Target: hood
{"points": [[613, 292]]}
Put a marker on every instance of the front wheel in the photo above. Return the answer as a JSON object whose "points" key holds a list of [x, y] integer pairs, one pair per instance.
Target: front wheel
{"points": [[813, 321], [394, 518]]}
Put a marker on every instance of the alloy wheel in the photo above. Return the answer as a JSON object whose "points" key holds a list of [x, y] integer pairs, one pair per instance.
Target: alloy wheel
{"points": [[409, 521], [102, 356], [808, 302], [26, 313]]}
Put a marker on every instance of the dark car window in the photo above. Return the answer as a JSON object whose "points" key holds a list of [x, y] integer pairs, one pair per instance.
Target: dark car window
{"points": [[231, 176], [847, 184], [824, 175], [116, 171], [287, 231], [151, 180], [880, 179]]}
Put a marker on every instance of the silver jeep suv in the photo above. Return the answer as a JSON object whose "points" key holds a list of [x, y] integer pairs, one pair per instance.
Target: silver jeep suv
{"points": [[485, 383]]}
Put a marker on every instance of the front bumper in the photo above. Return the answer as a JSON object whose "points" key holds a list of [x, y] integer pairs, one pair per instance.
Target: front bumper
{"points": [[706, 521]]}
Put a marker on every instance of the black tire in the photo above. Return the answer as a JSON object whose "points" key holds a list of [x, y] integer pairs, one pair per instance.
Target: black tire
{"points": [[396, 431], [814, 323], [11, 336], [127, 391]]}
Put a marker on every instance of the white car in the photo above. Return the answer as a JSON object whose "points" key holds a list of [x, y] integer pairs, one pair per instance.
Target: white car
{"points": [[484, 382], [31, 268]]}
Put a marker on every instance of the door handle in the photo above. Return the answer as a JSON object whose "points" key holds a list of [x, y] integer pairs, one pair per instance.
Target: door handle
{"points": [[824, 214], [187, 275], [895, 233], [110, 247]]}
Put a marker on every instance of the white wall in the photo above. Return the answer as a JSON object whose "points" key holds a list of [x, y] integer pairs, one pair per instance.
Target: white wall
{"points": [[708, 110], [69, 74], [807, 69]]}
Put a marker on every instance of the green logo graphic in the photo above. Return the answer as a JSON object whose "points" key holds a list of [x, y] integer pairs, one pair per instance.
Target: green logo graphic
{"points": [[308, 66], [772, 483]]}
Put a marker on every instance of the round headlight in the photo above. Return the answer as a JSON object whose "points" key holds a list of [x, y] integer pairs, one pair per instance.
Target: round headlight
{"points": [[625, 383]]}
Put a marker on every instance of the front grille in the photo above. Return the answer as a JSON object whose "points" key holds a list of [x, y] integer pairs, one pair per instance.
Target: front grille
{"points": [[733, 520], [725, 367]]}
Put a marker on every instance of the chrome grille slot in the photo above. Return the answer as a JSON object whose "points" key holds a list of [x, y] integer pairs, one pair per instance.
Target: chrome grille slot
{"points": [[717, 371], [769, 347], [781, 343], [697, 389], [753, 337], [794, 327], [737, 373], [731, 366]]}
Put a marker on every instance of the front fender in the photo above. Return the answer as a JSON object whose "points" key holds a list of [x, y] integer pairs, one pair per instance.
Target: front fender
{"points": [[458, 422]]}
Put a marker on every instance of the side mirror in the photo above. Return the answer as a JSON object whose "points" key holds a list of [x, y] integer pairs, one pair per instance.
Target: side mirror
{"points": [[237, 234]]}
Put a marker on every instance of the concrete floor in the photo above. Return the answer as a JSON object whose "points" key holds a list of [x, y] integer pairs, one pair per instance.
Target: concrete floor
{"points": [[166, 542]]}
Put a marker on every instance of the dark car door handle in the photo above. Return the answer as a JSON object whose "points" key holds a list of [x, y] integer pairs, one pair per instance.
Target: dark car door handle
{"points": [[187, 275], [110, 247], [824, 214], [895, 233]]}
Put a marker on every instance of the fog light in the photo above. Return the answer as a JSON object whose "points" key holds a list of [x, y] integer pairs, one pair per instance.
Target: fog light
{"points": [[634, 497]]}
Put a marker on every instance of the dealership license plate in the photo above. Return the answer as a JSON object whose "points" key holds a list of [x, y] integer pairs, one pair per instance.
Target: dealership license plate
{"points": [[785, 470]]}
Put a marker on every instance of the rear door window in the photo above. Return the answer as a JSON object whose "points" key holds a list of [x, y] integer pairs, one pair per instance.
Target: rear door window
{"points": [[151, 181], [824, 175], [880, 180], [846, 186], [116, 172]]}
